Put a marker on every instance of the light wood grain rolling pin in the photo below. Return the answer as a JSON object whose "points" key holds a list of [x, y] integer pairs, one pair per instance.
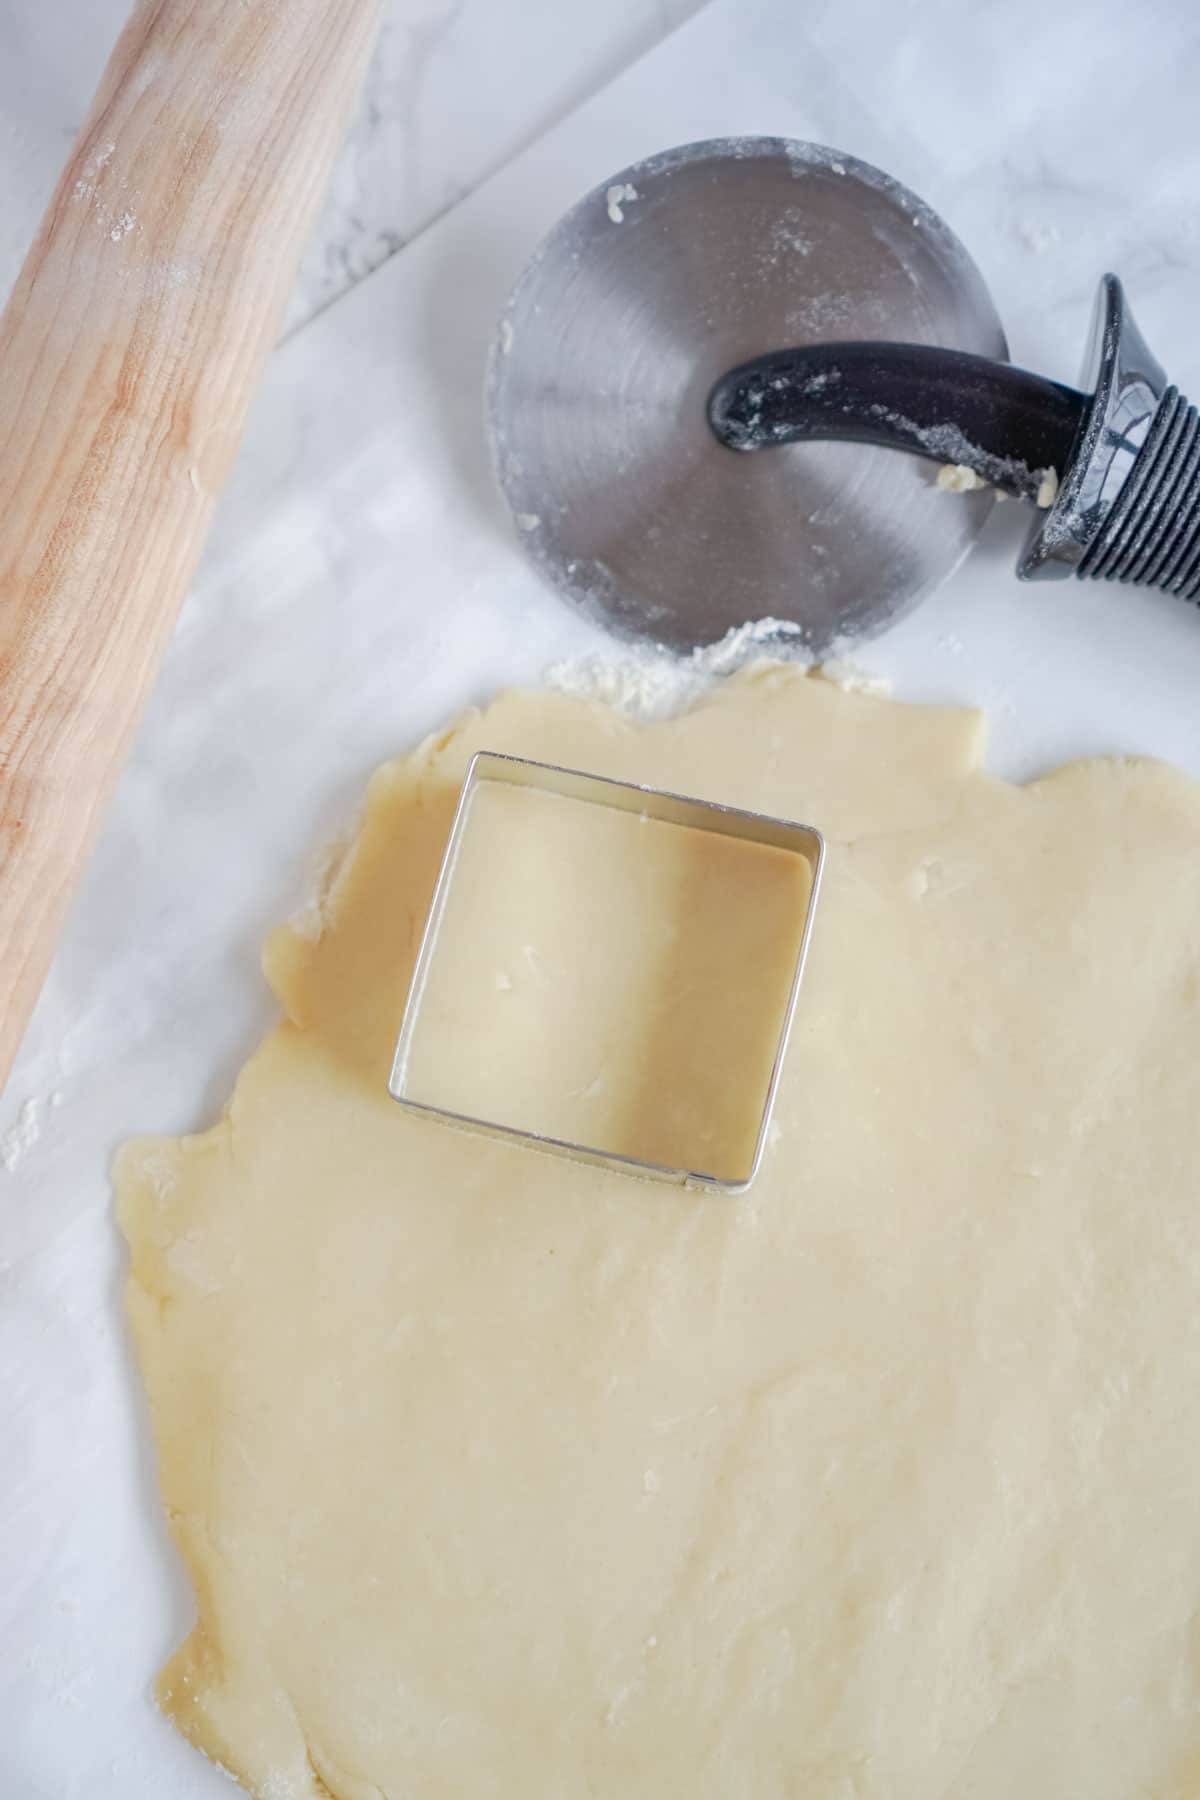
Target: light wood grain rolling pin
{"points": [[129, 355]]}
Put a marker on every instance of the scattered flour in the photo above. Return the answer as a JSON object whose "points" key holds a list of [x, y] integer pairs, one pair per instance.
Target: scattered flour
{"points": [[172, 276], [1038, 238], [786, 235], [739, 646], [653, 683], [161, 1176], [852, 678], [85, 187], [616, 198], [97, 186], [279, 1787], [21, 1136], [320, 886]]}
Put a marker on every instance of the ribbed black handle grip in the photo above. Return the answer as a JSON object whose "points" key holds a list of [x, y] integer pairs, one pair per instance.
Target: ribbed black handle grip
{"points": [[1125, 451], [1152, 534]]}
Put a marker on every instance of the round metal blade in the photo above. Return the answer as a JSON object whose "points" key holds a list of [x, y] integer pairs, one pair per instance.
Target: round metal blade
{"points": [[650, 288]]}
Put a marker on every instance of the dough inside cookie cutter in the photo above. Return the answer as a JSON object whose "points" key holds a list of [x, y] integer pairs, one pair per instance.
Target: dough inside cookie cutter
{"points": [[491, 1022]]}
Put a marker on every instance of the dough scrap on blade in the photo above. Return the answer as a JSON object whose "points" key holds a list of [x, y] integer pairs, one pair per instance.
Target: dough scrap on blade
{"points": [[502, 1477]]}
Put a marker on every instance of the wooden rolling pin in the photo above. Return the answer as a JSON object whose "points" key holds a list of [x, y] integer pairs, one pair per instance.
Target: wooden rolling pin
{"points": [[129, 355]]}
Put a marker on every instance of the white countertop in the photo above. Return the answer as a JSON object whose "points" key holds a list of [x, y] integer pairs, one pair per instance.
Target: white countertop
{"points": [[362, 584], [455, 88]]}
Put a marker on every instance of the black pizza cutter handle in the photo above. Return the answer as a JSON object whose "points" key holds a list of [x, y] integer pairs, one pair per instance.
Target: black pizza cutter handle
{"points": [[1114, 470]]}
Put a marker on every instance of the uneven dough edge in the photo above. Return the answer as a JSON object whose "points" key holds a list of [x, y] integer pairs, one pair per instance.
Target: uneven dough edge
{"points": [[311, 977], [146, 1169]]}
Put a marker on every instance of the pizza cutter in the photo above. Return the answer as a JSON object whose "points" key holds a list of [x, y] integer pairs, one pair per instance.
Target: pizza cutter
{"points": [[676, 472]]}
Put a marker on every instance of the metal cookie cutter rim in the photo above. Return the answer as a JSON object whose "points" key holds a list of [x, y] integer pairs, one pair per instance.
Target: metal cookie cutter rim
{"points": [[655, 803]]}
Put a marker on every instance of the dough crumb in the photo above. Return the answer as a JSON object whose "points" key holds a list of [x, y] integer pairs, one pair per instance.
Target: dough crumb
{"points": [[528, 521], [617, 198], [1047, 492], [852, 678], [957, 478], [504, 337]]}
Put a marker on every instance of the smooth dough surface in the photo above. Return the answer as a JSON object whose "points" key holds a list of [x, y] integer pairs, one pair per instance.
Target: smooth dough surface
{"points": [[609, 979], [503, 1478]]}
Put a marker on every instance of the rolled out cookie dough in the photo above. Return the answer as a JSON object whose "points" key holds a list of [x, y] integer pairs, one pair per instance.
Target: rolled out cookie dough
{"points": [[503, 1478], [609, 979]]}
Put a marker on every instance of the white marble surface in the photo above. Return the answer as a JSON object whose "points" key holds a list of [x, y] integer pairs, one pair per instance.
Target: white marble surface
{"points": [[362, 584], [455, 88]]}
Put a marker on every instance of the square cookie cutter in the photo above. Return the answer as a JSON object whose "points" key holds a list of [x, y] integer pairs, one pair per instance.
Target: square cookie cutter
{"points": [[803, 841]]}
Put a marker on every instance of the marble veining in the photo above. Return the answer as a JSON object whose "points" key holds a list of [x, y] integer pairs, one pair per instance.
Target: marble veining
{"points": [[363, 584], [454, 89]]}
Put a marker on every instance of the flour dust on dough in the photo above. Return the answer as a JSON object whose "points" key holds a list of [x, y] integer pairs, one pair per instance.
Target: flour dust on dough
{"points": [[504, 1478]]}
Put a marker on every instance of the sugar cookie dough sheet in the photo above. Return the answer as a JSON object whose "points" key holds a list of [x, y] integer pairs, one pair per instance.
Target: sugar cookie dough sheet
{"points": [[608, 979], [504, 1478]]}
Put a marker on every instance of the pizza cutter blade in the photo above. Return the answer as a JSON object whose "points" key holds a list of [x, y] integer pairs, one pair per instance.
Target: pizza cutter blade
{"points": [[647, 292], [641, 352]]}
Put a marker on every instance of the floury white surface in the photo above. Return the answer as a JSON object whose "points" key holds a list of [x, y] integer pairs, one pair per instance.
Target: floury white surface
{"points": [[363, 585]]}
